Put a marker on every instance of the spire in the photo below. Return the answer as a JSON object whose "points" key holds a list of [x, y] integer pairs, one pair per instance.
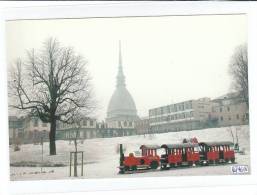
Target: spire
{"points": [[120, 76], [120, 57]]}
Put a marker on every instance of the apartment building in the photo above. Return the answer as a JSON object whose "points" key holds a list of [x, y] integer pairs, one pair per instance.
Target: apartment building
{"points": [[230, 110], [187, 115]]}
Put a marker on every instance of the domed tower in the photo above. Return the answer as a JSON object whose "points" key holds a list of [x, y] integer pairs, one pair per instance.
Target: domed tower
{"points": [[121, 112]]}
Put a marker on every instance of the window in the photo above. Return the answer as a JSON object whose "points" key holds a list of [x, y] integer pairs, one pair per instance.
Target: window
{"points": [[125, 123], [35, 122], [91, 123], [161, 109], [119, 123], [171, 108], [190, 104], [237, 117], [220, 109], [44, 133], [229, 118], [247, 116], [183, 115], [228, 109], [182, 106], [221, 118], [130, 124], [186, 105], [191, 114], [168, 109]]}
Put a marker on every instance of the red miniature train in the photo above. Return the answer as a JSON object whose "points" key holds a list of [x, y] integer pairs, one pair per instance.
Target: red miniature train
{"points": [[177, 155]]}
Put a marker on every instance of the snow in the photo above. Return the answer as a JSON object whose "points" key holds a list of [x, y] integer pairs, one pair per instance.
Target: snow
{"points": [[101, 157]]}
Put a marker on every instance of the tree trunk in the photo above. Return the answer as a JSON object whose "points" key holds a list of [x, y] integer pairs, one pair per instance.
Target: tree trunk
{"points": [[52, 137]]}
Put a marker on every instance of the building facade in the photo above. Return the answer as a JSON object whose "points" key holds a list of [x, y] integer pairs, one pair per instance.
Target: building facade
{"points": [[27, 129], [142, 126], [187, 115], [16, 129], [230, 110], [86, 130]]}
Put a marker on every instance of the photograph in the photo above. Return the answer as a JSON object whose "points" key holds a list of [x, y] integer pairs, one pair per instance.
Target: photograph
{"points": [[128, 97]]}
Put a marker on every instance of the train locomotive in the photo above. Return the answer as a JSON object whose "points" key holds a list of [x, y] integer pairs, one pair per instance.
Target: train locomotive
{"points": [[148, 159], [177, 155]]}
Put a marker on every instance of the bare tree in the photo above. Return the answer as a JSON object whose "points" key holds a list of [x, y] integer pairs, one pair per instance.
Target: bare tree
{"points": [[239, 71], [76, 121], [52, 84]]}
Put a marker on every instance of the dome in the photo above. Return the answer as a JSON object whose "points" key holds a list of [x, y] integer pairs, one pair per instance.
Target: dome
{"points": [[121, 105]]}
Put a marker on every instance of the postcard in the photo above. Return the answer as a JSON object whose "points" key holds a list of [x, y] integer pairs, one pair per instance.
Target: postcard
{"points": [[118, 98]]}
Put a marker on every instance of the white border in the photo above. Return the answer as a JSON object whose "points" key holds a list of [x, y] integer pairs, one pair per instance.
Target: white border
{"points": [[114, 9]]}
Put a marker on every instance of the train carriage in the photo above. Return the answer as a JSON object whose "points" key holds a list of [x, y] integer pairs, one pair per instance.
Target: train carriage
{"points": [[179, 154], [216, 152]]}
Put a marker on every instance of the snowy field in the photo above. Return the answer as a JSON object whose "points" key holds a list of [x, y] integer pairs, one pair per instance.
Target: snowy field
{"points": [[101, 157]]}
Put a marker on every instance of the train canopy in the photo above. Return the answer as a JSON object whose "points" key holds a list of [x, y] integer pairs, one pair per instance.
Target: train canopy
{"points": [[226, 143], [175, 146], [150, 147]]}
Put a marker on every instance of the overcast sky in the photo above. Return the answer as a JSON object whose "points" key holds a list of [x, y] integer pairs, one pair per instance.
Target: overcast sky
{"points": [[165, 59]]}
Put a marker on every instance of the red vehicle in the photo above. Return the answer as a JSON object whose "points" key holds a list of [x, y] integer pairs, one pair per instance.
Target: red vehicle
{"points": [[216, 152], [180, 154], [148, 159], [177, 155]]}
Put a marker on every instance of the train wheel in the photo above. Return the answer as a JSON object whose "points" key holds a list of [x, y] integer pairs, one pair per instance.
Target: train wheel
{"points": [[164, 166], [134, 168], [172, 165], [154, 165], [232, 160], [211, 161], [126, 168], [197, 163], [122, 170], [217, 161], [190, 163]]}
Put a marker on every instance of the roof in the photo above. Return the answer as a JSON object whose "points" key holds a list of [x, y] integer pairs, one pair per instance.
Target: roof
{"points": [[184, 145], [121, 103], [227, 96], [216, 143], [150, 147]]}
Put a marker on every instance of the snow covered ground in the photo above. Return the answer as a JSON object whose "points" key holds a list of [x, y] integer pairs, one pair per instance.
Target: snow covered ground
{"points": [[101, 157]]}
